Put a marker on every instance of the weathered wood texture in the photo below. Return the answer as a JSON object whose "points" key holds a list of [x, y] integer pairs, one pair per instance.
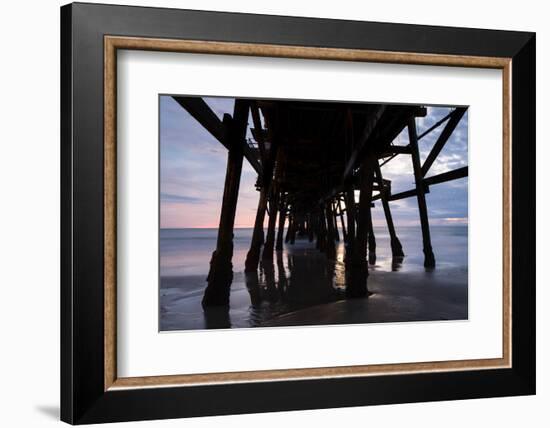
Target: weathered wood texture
{"points": [[429, 259], [220, 275]]}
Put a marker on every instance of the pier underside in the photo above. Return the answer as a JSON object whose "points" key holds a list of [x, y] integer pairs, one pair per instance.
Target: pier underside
{"points": [[319, 174]]}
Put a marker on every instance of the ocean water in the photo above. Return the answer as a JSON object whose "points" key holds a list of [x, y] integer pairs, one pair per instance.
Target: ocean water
{"points": [[301, 287]]}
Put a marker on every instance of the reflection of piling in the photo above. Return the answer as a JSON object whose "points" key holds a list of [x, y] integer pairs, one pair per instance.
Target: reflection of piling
{"points": [[281, 227], [270, 238], [282, 283], [253, 286], [272, 294], [253, 256]]}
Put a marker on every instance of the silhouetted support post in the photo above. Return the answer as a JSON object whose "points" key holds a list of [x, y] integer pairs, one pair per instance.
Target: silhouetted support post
{"points": [[290, 225], [220, 275], [341, 215], [364, 215], [331, 232], [396, 248], [317, 228], [281, 228], [335, 221], [429, 259], [372, 242], [358, 268], [301, 226], [295, 224], [310, 228], [350, 213], [321, 231], [253, 256], [270, 239]]}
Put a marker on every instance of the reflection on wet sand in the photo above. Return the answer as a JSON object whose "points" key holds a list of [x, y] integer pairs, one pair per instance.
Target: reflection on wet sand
{"points": [[396, 263], [303, 279]]}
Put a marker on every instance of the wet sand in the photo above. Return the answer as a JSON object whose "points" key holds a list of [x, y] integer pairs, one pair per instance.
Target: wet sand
{"points": [[301, 287]]}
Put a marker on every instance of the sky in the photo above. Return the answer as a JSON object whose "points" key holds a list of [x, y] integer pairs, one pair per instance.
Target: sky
{"points": [[193, 163]]}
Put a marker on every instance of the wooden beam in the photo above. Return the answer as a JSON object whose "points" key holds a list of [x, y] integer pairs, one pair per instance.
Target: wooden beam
{"points": [[198, 108], [372, 121], [455, 174], [435, 125], [395, 150], [406, 194], [385, 161], [251, 158], [258, 132], [456, 115], [202, 112]]}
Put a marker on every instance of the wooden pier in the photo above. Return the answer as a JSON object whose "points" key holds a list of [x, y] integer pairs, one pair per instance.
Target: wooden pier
{"points": [[312, 159]]}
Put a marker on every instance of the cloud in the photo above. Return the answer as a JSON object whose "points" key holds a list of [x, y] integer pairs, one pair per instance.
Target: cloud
{"points": [[167, 197]]}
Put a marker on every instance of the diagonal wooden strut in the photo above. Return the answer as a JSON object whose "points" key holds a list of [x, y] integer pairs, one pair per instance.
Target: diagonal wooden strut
{"points": [[454, 119], [202, 112]]}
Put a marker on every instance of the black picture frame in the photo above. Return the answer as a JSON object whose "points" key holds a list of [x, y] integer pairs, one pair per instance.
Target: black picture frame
{"points": [[83, 398]]}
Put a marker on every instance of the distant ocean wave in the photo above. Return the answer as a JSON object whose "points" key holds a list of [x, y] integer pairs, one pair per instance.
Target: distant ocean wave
{"points": [[201, 234], [188, 251]]}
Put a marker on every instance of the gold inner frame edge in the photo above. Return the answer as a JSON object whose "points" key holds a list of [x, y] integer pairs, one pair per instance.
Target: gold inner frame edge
{"points": [[113, 43]]}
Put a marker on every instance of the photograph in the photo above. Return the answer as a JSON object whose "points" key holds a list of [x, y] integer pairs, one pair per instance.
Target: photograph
{"points": [[287, 213]]}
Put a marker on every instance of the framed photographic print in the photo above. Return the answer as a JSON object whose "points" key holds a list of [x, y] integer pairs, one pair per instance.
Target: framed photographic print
{"points": [[266, 213]]}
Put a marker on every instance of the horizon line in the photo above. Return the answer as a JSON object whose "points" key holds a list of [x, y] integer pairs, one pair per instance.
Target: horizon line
{"points": [[286, 227]]}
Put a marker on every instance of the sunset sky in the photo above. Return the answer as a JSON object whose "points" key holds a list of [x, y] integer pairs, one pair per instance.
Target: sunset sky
{"points": [[193, 163]]}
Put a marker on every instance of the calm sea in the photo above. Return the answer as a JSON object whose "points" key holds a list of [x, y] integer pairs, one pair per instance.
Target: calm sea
{"points": [[186, 252], [184, 263]]}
